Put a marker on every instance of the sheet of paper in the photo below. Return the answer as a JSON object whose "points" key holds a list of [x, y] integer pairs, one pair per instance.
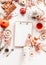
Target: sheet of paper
{"points": [[21, 32]]}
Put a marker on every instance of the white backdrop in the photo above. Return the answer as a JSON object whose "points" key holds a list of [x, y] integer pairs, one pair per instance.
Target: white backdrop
{"points": [[16, 57]]}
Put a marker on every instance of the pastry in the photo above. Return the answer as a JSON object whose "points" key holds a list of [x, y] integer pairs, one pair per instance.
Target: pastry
{"points": [[22, 2], [8, 7]]}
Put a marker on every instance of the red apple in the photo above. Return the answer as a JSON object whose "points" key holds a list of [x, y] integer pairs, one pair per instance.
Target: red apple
{"points": [[22, 11], [5, 24]]}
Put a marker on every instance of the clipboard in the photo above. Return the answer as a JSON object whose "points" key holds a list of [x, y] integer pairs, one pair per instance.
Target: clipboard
{"points": [[22, 29]]}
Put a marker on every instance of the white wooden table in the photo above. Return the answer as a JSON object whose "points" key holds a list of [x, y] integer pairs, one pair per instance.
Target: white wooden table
{"points": [[16, 57]]}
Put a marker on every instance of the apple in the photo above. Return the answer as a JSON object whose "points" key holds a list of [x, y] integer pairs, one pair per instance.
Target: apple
{"points": [[5, 24], [22, 11]]}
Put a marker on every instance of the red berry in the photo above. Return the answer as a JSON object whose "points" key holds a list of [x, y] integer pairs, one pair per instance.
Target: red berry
{"points": [[22, 11], [39, 25]]}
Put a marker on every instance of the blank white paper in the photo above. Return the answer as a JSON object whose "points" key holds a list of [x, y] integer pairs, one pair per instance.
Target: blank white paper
{"points": [[21, 32]]}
